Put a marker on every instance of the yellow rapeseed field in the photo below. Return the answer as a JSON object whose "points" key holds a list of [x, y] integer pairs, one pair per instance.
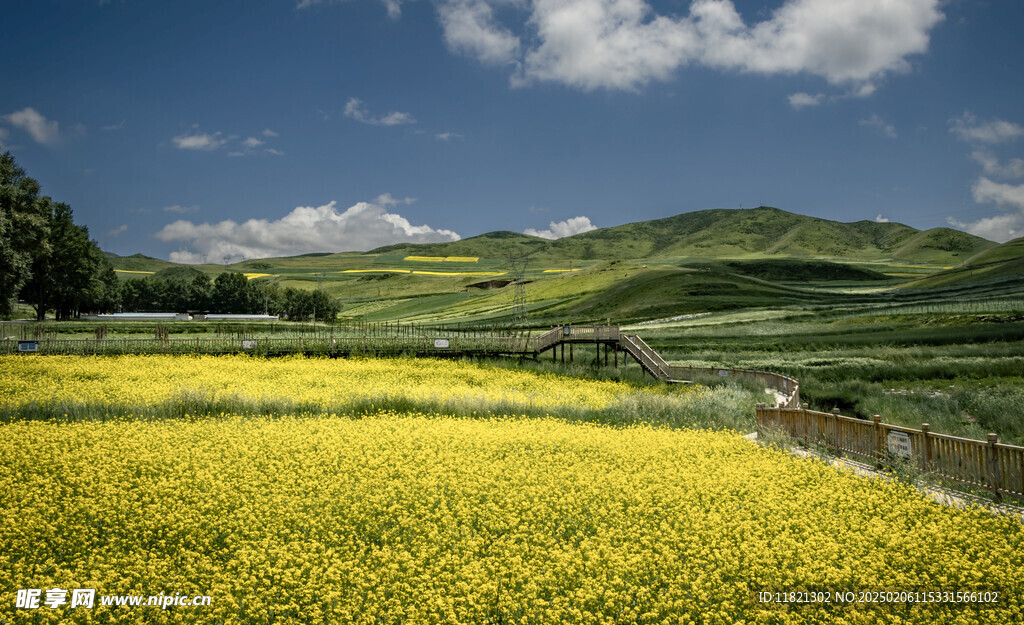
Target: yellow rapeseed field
{"points": [[134, 382], [408, 518], [386, 516]]}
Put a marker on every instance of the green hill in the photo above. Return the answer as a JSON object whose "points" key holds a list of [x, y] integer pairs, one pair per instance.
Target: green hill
{"points": [[659, 293], [498, 244], [796, 270], [723, 233], [1003, 263], [769, 231], [709, 260], [138, 263], [940, 245]]}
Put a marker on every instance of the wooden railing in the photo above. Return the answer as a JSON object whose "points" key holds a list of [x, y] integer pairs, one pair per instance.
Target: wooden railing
{"points": [[985, 464], [647, 357], [274, 345], [787, 387]]}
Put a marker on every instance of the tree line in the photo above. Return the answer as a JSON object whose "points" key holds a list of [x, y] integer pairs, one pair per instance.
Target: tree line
{"points": [[46, 259], [229, 293], [49, 262]]}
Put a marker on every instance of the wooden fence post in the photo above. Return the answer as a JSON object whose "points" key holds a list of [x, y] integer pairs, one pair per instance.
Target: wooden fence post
{"points": [[877, 419], [835, 428], [926, 453], [803, 415], [995, 479]]}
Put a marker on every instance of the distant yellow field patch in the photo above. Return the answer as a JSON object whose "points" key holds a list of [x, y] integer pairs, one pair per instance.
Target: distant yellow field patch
{"points": [[459, 273], [558, 270], [427, 273], [253, 276], [130, 271], [443, 259], [918, 267]]}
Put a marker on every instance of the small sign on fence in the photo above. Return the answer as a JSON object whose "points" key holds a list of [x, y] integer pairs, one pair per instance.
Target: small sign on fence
{"points": [[899, 445], [723, 373], [28, 346], [440, 343], [248, 344]]}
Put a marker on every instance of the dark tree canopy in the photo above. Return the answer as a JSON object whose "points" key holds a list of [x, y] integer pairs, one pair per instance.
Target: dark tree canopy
{"points": [[49, 261], [23, 229], [45, 258]]}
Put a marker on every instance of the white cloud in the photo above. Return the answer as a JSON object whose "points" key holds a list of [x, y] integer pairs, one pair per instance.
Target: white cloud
{"points": [[28, 119], [1000, 228], [305, 4], [200, 141], [177, 208], [355, 109], [306, 229], [844, 41], [253, 142], [802, 100], [471, 28], [267, 132], [394, 7], [984, 190], [877, 122], [968, 128], [119, 230], [880, 219], [385, 199], [612, 44], [445, 136], [863, 91], [113, 127], [1003, 227], [1014, 168], [559, 229], [395, 118], [623, 44]]}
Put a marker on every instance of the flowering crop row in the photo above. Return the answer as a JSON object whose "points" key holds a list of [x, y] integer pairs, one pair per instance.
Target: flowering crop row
{"points": [[409, 518], [112, 385]]}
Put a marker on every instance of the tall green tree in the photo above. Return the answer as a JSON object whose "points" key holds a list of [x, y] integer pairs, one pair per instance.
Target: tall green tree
{"points": [[23, 229], [233, 294], [65, 271], [200, 292]]}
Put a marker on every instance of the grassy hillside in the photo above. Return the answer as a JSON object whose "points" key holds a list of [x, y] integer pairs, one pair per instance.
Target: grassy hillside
{"points": [[138, 262], [500, 244], [739, 233], [1002, 264], [940, 245], [722, 233], [702, 261], [769, 232]]}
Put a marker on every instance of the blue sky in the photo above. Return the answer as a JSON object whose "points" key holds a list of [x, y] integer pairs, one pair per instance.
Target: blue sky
{"points": [[206, 131]]}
